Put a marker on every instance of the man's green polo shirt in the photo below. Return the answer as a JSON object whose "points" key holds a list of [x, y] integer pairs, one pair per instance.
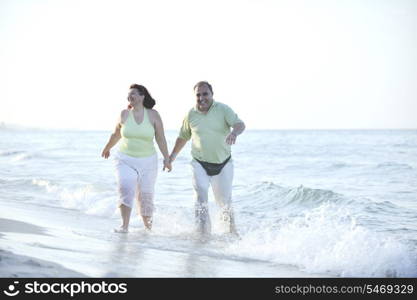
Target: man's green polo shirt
{"points": [[209, 132]]}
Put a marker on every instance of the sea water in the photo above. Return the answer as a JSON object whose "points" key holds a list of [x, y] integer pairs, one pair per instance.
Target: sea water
{"points": [[329, 202]]}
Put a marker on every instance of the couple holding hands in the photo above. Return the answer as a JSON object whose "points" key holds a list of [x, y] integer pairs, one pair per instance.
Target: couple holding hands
{"points": [[212, 126]]}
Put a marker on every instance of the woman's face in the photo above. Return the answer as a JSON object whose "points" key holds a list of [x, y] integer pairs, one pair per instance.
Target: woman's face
{"points": [[134, 97]]}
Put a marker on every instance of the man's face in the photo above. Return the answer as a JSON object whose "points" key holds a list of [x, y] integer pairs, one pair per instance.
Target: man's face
{"points": [[204, 97]]}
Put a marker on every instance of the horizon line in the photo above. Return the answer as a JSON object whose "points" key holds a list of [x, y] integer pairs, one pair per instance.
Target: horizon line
{"points": [[11, 126]]}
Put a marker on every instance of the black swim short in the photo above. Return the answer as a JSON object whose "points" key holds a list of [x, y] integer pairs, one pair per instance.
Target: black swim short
{"points": [[211, 168]]}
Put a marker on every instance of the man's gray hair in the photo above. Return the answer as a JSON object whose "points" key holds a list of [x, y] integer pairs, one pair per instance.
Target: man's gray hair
{"points": [[201, 83]]}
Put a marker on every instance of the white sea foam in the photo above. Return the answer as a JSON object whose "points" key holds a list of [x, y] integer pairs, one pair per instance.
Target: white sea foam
{"points": [[50, 188], [328, 240], [84, 198], [22, 157], [324, 239]]}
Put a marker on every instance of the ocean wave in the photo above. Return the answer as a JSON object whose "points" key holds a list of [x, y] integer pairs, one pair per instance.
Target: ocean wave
{"points": [[308, 196], [15, 182], [275, 203], [10, 153], [328, 240], [276, 196], [46, 184], [391, 164], [339, 165], [85, 198], [24, 156], [270, 196], [404, 145]]}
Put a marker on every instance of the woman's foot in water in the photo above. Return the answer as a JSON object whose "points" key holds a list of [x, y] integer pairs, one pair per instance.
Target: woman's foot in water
{"points": [[121, 229]]}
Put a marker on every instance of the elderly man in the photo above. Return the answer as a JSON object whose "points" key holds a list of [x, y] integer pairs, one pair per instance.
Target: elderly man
{"points": [[209, 125]]}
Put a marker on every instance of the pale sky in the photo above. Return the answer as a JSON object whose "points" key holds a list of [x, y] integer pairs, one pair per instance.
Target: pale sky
{"points": [[280, 64]]}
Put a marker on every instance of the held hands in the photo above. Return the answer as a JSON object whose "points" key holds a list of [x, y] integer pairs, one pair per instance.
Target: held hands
{"points": [[168, 162], [231, 139], [167, 165]]}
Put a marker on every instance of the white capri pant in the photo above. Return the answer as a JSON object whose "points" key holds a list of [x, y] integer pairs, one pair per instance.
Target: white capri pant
{"points": [[222, 190], [136, 177]]}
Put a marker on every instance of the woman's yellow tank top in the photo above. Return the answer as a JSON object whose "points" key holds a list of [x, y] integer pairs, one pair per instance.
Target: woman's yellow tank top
{"points": [[137, 139]]}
